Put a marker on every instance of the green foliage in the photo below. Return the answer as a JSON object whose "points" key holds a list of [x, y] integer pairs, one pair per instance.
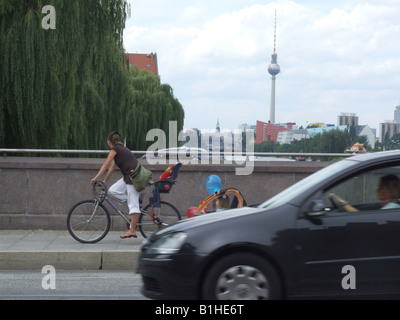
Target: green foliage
{"points": [[393, 143], [67, 88], [335, 141]]}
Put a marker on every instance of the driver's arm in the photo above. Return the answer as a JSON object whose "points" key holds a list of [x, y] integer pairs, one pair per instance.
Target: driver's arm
{"points": [[345, 205]]}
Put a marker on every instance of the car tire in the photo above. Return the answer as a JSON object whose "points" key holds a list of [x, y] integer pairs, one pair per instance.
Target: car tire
{"points": [[242, 276]]}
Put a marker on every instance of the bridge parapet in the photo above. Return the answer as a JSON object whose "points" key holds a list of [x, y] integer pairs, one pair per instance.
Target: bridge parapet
{"points": [[37, 193]]}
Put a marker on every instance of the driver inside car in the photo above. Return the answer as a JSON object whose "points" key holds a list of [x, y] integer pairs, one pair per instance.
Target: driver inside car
{"points": [[388, 192]]}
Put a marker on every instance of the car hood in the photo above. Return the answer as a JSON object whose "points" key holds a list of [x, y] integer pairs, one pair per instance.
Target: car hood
{"points": [[210, 218]]}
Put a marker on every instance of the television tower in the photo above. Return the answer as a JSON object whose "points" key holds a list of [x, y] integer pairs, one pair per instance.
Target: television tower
{"points": [[273, 70]]}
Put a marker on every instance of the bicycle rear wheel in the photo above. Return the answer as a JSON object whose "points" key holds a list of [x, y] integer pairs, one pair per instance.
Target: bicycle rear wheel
{"points": [[88, 221], [164, 215]]}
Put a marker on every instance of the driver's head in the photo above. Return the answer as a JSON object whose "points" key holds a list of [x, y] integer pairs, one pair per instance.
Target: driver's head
{"points": [[389, 188]]}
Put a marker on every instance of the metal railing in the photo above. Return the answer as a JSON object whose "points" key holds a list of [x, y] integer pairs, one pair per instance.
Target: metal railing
{"points": [[182, 153], [53, 151]]}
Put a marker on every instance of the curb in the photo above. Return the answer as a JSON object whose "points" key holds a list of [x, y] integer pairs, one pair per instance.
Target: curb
{"points": [[69, 260]]}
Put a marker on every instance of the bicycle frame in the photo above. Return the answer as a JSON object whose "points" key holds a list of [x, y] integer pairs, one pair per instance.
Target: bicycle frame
{"points": [[122, 214], [117, 210]]}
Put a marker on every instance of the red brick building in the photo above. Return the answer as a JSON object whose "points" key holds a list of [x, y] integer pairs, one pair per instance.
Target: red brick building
{"points": [[144, 61], [267, 132]]}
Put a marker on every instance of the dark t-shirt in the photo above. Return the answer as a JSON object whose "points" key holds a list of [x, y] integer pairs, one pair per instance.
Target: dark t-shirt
{"points": [[125, 160]]}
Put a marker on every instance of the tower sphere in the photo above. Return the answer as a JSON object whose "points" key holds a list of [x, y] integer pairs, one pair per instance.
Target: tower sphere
{"points": [[274, 68]]}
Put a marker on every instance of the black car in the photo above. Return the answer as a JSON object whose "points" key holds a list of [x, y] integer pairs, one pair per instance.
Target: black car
{"points": [[326, 236]]}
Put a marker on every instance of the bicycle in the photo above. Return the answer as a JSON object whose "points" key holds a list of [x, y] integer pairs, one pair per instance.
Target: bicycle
{"points": [[89, 221]]}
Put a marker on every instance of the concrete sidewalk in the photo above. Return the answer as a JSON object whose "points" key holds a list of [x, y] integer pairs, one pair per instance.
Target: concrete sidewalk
{"points": [[33, 249]]}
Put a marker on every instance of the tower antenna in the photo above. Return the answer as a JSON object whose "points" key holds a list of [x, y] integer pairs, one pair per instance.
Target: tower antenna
{"points": [[273, 70], [275, 34]]}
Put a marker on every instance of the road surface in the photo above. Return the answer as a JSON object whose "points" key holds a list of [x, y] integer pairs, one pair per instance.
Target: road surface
{"points": [[74, 285]]}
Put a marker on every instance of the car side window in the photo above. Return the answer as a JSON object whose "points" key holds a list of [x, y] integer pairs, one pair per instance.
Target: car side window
{"points": [[363, 191]]}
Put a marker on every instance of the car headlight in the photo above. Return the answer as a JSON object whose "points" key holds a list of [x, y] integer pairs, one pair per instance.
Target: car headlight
{"points": [[168, 244]]}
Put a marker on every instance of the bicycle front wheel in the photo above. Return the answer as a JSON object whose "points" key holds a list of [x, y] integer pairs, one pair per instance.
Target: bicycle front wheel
{"points": [[153, 219], [88, 221]]}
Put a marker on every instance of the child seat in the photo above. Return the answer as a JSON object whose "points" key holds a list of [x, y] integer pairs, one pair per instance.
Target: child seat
{"points": [[168, 178], [165, 183]]}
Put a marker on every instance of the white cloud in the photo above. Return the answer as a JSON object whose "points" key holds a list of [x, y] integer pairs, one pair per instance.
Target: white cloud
{"points": [[337, 57]]}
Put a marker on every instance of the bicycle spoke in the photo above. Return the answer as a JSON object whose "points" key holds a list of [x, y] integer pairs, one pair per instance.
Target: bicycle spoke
{"points": [[88, 221]]}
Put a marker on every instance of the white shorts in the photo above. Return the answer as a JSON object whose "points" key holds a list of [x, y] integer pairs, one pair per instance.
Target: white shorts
{"points": [[126, 192]]}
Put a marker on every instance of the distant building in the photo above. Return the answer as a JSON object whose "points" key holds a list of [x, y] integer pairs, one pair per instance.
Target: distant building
{"points": [[287, 137], [368, 132], [144, 61], [217, 127], [388, 129], [316, 125], [312, 132], [291, 125], [347, 119], [397, 114], [267, 132]]}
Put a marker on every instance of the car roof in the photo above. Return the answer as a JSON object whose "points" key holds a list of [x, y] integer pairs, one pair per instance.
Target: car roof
{"points": [[376, 156]]}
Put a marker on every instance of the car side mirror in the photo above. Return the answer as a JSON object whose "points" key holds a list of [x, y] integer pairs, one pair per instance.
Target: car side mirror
{"points": [[317, 208]]}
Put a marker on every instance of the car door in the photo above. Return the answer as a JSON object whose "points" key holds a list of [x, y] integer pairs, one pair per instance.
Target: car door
{"points": [[350, 253]]}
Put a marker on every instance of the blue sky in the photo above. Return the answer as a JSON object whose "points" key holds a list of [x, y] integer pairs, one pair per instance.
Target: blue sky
{"points": [[335, 56]]}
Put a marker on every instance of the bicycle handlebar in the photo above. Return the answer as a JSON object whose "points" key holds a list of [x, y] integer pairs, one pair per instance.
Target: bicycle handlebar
{"points": [[101, 194]]}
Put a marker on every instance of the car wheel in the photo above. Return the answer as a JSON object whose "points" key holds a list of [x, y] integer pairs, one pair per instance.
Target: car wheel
{"points": [[242, 276]]}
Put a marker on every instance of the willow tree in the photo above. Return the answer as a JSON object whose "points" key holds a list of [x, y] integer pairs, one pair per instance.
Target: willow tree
{"points": [[68, 87], [153, 106]]}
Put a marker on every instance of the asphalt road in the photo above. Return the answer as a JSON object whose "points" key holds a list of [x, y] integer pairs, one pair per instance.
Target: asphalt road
{"points": [[74, 285]]}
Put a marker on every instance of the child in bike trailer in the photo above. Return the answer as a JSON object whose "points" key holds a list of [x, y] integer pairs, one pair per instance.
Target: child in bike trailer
{"points": [[123, 189], [222, 203]]}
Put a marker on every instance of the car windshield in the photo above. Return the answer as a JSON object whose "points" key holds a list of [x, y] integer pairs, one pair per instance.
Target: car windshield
{"points": [[298, 188]]}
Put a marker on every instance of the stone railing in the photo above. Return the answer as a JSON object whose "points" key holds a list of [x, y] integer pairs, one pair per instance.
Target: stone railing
{"points": [[37, 193]]}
